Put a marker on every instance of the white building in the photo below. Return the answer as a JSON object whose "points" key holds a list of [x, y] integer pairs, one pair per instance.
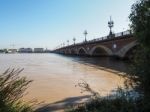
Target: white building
{"points": [[25, 50], [12, 50], [38, 50]]}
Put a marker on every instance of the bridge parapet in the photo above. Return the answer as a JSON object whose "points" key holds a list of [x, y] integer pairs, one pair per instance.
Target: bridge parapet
{"points": [[108, 45], [124, 34]]}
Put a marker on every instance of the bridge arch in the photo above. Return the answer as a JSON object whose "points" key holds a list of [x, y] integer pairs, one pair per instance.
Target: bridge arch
{"points": [[62, 51], [100, 50], [73, 51], [126, 49], [67, 51], [82, 51]]}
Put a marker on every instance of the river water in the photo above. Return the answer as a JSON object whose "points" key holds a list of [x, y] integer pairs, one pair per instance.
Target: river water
{"points": [[55, 76]]}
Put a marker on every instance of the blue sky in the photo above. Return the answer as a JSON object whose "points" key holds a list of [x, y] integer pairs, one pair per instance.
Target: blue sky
{"points": [[48, 23]]}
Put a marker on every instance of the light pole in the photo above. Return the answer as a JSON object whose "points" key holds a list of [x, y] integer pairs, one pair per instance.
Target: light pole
{"points": [[74, 39], [13, 45], [68, 42], [85, 33], [110, 25]]}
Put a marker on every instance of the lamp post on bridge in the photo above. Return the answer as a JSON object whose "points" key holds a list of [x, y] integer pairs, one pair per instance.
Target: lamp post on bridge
{"points": [[13, 46], [63, 44], [74, 39], [68, 42], [85, 33], [110, 25]]}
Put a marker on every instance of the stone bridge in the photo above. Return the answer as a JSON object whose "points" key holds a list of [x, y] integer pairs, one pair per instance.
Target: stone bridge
{"points": [[121, 45]]}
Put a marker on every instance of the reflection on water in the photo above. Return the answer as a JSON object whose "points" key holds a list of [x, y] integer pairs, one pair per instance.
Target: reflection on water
{"points": [[55, 76], [106, 62]]}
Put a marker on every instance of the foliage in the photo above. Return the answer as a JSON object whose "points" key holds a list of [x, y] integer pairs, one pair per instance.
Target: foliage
{"points": [[140, 18], [121, 101], [85, 87], [12, 88], [107, 105]]}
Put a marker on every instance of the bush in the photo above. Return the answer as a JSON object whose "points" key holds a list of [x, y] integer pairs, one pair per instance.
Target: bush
{"points": [[12, 88], [120, 101]]}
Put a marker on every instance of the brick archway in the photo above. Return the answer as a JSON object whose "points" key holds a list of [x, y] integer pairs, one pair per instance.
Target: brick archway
{"points": [[103, 49], [82, 51], [122, 52]]}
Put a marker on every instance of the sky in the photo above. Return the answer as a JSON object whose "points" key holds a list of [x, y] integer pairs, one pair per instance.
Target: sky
{"points": [[49, 23]]}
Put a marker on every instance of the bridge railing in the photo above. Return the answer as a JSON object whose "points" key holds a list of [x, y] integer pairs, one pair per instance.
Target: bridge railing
{"points": [[116, 35], [128, 32], [98, 39]]}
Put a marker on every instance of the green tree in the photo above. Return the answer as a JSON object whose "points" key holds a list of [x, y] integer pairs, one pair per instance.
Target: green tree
{"points": [[140, 18]]}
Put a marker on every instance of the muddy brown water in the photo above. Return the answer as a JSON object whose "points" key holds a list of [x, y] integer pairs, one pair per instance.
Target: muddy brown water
{"points": [[55, 76]]}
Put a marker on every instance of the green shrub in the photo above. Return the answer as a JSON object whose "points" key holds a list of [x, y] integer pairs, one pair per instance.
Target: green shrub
{"points": [[12, 88], [120, 101]]}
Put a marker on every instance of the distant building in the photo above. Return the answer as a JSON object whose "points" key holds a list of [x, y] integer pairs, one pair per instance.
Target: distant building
{"points": [[5, 50], [12, 50], [38, 50], [25, 50], [1, 51]]}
